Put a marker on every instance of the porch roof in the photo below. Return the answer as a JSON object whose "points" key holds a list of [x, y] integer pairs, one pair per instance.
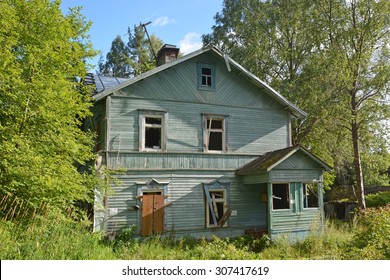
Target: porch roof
{"points": [[268, 161]]}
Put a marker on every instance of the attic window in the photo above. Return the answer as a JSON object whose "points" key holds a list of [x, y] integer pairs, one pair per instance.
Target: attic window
{"points": [[206, 76], [152, 131], [280, 196]]}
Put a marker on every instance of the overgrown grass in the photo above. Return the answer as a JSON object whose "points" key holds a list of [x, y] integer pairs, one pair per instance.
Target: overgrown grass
{"points": [[50, 237]]}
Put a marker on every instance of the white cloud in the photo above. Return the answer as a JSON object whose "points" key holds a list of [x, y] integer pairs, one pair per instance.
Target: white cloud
{"points": [[191, 42], [162, 21]]}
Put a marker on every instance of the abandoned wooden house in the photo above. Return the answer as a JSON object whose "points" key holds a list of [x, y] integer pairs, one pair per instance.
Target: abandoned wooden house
{"points": [[202, 147]]}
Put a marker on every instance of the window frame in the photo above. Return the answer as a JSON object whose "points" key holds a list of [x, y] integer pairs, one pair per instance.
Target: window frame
{"points": [[143, 115], [223, 200], [206, 87], [288, 196], [207, 131], [304, 194]]}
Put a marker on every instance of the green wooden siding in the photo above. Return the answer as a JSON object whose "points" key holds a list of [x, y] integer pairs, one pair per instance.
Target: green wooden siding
{"points": [[297, 218], [248, 130], [188, 209], [179, 83]]}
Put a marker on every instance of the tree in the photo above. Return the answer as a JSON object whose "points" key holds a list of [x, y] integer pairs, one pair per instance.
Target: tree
{"points": [[142, 49], [42, 52], [331, 59], [358, 51], [117, 60], [132, 58]]}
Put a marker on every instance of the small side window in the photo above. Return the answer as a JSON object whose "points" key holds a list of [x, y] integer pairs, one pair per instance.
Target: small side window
{"points": [[206, 76], [280, 196]]}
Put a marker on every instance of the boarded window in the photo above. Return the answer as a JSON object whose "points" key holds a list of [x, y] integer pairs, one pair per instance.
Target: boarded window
{"points": [[215, 134], [280, 196], [310, 195]]}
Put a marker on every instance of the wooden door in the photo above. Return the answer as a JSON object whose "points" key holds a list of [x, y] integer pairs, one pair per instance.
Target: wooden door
{"points": [[152, 214]]}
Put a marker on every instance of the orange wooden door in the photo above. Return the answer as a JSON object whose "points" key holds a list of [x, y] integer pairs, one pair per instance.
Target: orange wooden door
{"points": [[152, 214]]}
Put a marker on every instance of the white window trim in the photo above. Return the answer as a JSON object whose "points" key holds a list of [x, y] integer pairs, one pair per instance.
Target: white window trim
{"points": [[206, 133], [142, 125], [224, 200]]}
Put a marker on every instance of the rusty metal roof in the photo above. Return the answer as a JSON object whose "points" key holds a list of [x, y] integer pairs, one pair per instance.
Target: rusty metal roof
{"points": [[268, 161]]}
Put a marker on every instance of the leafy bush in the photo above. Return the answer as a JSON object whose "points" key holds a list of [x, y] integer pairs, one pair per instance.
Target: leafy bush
{"points": [[378, 199], [372, 238]]}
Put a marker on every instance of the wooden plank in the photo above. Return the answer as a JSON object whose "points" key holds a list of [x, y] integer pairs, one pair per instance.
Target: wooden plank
{"points": [[152, 214], [147, 215]]}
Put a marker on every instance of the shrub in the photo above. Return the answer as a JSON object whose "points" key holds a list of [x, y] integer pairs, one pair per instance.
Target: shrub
{"points": [[371, 240], [378, 199]]}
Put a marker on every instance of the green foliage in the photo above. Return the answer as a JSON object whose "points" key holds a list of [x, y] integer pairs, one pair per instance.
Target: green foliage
{"points": [[331, 58], [372, 239], [42, 107], [378, 199], [117, 60], [132, 58], [52, 236]]}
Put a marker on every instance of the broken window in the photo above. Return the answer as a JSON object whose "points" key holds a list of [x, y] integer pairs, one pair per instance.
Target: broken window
{"points": [[215, 135], [310, 195], [206, 76], [152, 132], [280, 196], [216, 207]]}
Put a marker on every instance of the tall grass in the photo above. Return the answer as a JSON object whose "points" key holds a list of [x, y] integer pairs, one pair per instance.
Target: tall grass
{"points": [[50, 235]]}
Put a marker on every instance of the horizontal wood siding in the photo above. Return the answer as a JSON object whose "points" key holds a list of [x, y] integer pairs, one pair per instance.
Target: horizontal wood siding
{"points": [[188, 210], [248, 130], [285, 221], [304, 175], [255, 178], [251, 212]]}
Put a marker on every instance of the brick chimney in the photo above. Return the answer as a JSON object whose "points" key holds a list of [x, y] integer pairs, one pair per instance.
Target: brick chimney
{"points": [[167, 54]]}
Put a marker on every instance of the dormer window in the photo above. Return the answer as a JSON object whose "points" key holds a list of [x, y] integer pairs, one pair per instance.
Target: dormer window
{"points": [[206, 76]]}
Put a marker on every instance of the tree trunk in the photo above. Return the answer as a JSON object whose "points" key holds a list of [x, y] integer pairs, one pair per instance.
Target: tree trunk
{"points": [[358, 166]]}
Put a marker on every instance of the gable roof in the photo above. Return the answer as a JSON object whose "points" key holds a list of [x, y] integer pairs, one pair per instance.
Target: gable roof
{"points": [[268, 161], [294, 110]]}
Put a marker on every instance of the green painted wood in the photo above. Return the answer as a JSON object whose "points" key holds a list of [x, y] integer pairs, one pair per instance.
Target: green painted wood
{"points": [[188, 209], [179, 83], [248, 130]]}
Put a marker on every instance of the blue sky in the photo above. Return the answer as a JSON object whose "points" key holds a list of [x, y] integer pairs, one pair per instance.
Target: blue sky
{"points": [[178, 22]]}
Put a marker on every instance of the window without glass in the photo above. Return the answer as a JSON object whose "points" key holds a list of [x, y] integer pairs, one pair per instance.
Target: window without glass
{"points": [[215, 208], [215, 134], [152, 132], [280, 196], [310, 196]]}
